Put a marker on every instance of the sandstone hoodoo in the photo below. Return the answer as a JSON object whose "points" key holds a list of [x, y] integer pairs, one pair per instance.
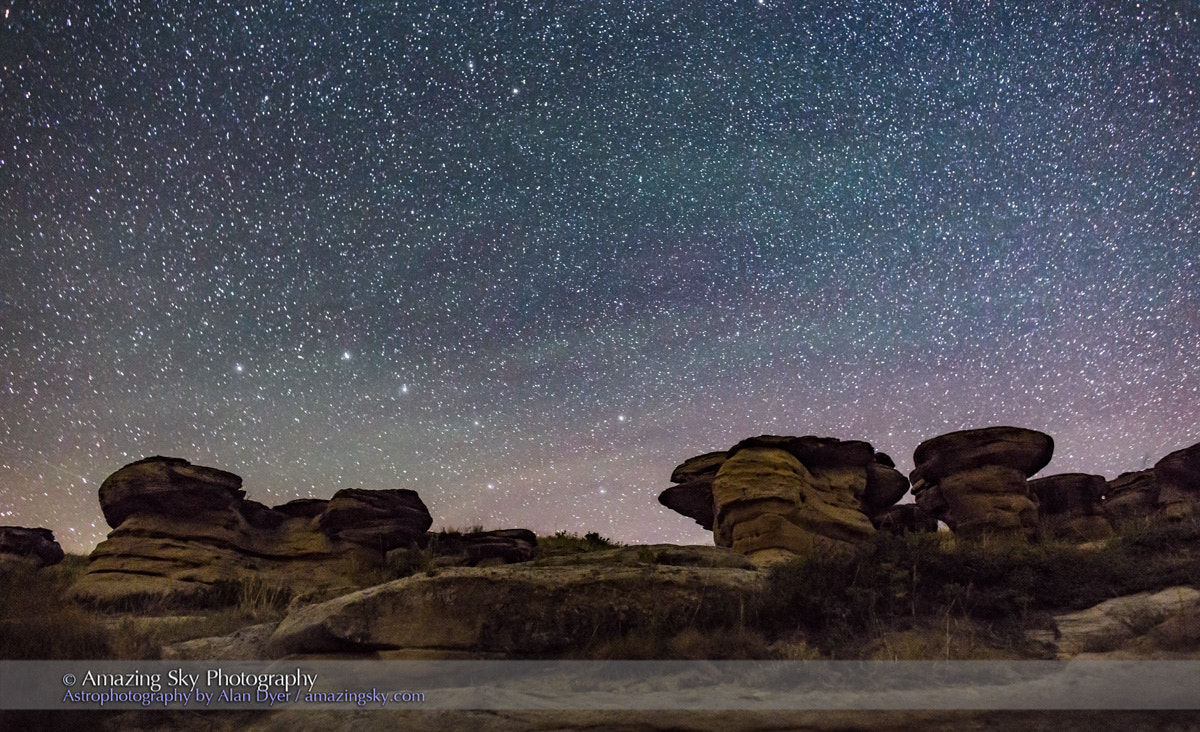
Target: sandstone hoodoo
{"points": [[1069, 506], [977, 480], [182, 532], [773, 497], [34, 546]]}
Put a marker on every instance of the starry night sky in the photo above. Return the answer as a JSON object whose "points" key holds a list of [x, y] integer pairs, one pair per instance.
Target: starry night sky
{"points": [[524, 258]]}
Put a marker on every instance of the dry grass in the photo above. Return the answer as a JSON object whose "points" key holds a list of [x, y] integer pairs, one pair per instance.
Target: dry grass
{"points": [[917, 597], [40, 621]]}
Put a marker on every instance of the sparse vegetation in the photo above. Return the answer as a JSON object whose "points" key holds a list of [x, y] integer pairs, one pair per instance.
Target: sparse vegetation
{"points": [[564, 543], [993, 594], [913, 597], [40, 621]]}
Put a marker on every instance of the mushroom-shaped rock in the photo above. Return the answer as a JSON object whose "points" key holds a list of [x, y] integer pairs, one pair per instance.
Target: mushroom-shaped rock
{"points": [[769, 505], [34, 546], [382, 520], [975, 480], [1069, 506], [783, 509], [1024, 450], [168, 487]]}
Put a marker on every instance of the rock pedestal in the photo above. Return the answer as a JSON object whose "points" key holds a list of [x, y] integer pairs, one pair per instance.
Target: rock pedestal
{"points": [[976, 480], [774, 498]]}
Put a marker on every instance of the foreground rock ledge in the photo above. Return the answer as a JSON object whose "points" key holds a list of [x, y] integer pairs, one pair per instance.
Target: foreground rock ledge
{"points": [[527, 610]]}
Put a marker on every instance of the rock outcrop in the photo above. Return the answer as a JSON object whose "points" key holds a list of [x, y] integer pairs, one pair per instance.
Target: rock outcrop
{"points": [[483, 548], [1069, 506], [525, 609], [773, 497], [1169, 614], [379, 520], [905, 518], [976, 480], [184, 533], [1178, 476], [1169, 491], [1131, 495], [33, 546]]}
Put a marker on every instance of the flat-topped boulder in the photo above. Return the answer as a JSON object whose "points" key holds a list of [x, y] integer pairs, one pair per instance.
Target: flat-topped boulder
{"points": [[1024, 450], [773, 497], [1069, 506], [976, 480], [166, 486], [185, 534], [33, 546], [377, 519]]}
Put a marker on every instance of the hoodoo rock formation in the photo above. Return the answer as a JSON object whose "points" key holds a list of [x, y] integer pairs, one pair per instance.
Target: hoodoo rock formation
{"points": [[1069, 506], [976, 480], [773, 497], [33, 546], [181, 531]]}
